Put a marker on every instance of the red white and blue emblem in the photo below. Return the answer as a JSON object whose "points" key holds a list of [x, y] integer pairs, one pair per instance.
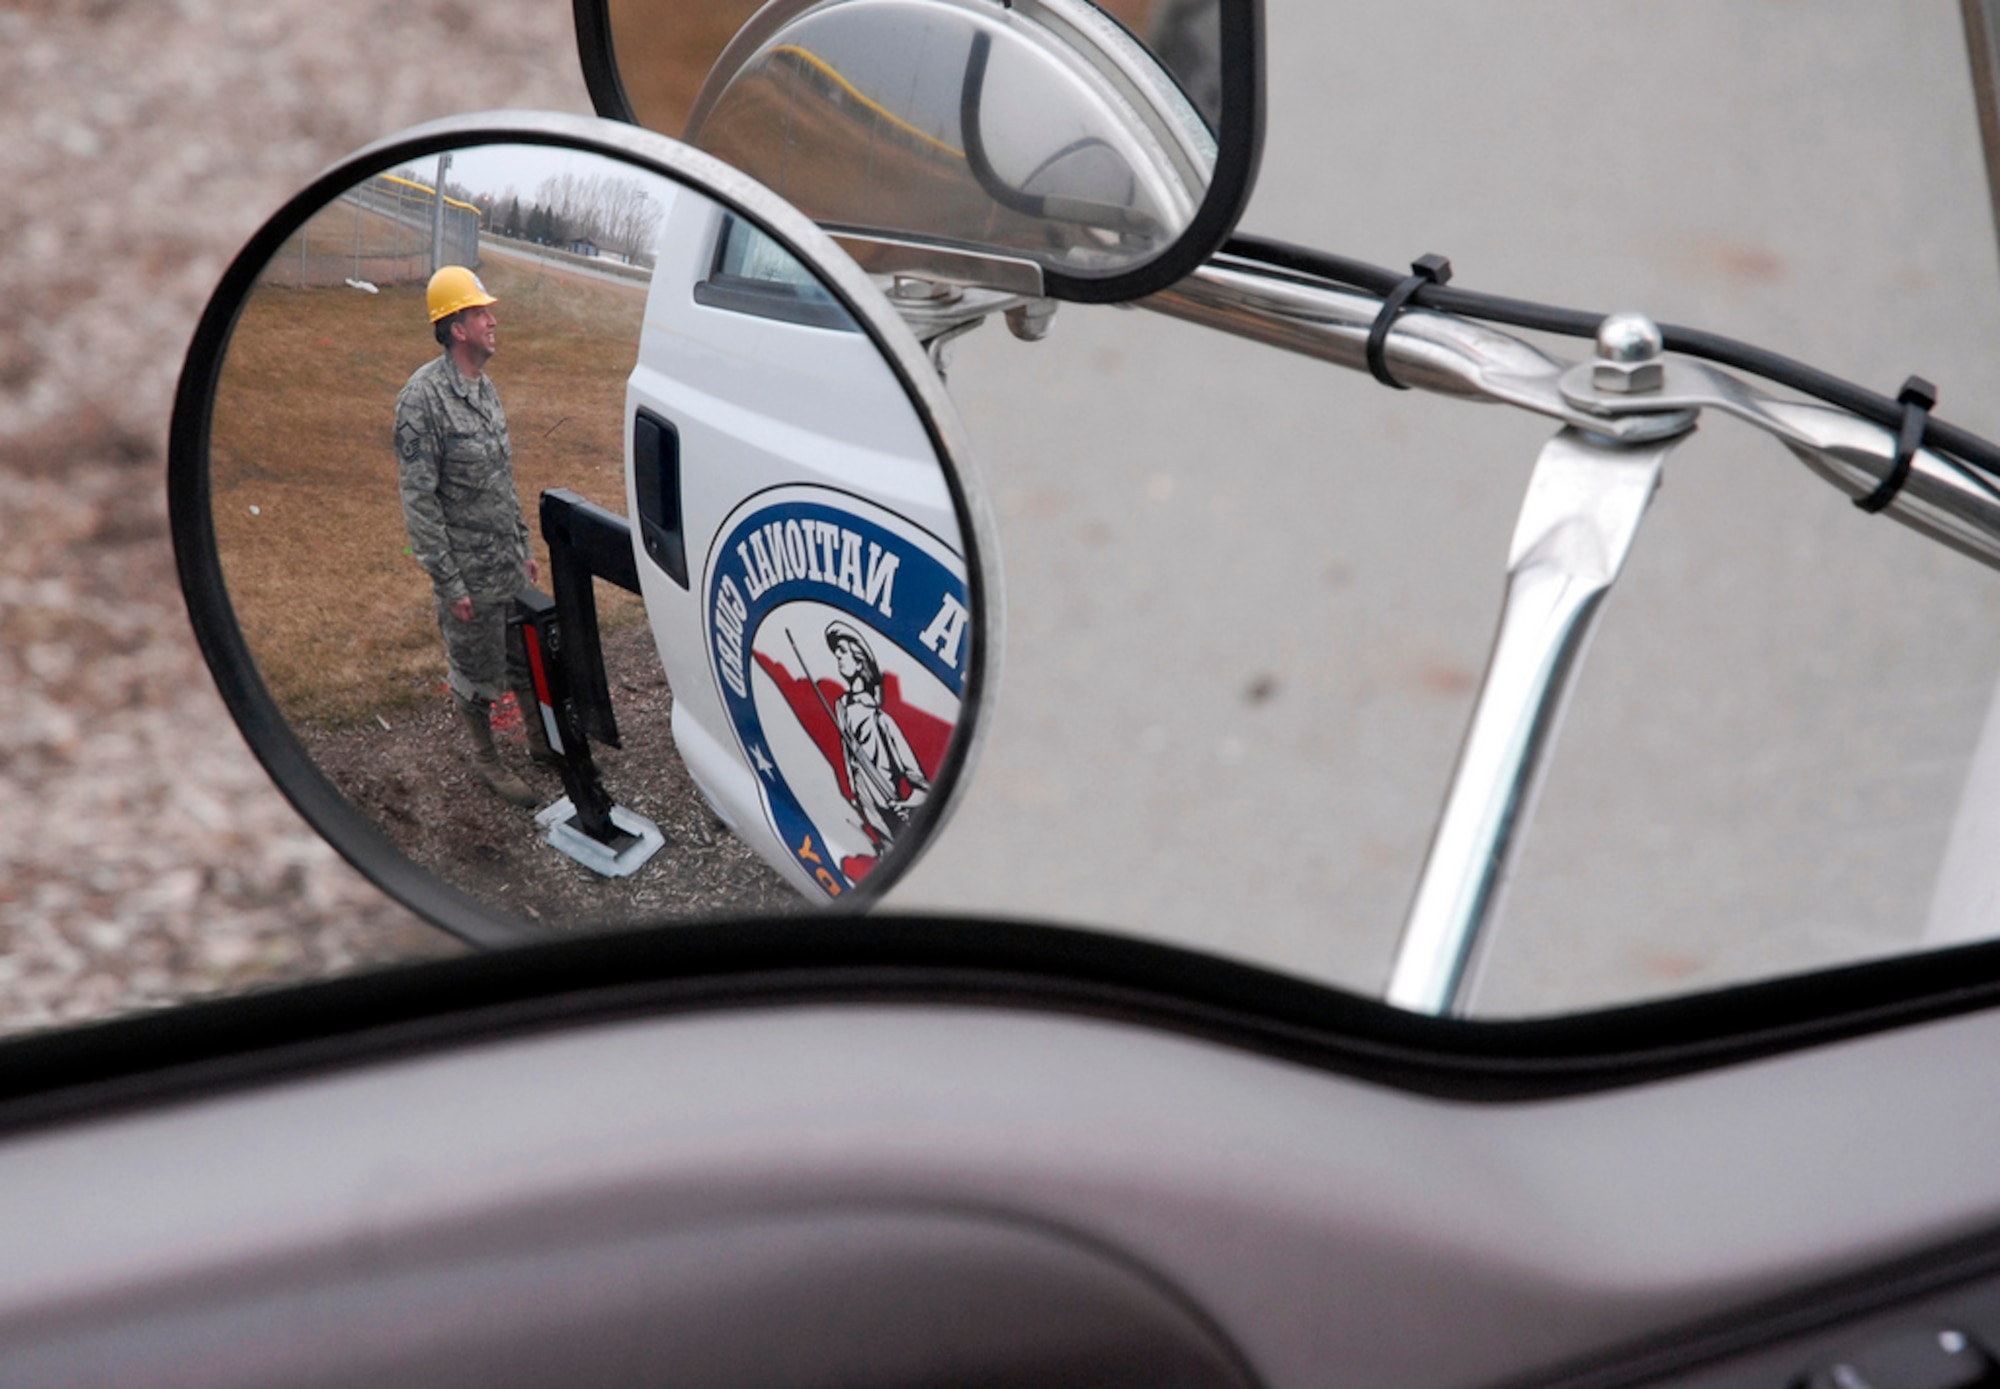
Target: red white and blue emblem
{"points": [[839, 634]]}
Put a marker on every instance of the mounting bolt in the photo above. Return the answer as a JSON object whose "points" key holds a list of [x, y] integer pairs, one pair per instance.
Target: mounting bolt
{"points": [[914, 289], [1029, 321], [1628, 355]]}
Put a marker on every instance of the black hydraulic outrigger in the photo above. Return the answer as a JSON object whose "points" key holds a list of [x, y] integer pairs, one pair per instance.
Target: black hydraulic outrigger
{"points": [[565, 657]]}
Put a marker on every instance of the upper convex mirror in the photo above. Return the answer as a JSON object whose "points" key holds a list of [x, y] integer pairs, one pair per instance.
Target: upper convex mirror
{"points": [[577, 534], [1105, 151]]}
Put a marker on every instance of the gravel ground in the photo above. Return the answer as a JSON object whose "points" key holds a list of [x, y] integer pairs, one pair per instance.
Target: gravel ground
{"points": [[144, 857], [411, 780]]}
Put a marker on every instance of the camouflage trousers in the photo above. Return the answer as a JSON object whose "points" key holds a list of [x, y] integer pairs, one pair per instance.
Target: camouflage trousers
{"points": [[484, 660]]}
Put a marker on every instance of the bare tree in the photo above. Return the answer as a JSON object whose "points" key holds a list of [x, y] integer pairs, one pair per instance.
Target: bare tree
{"points": [[615, 212], [630, 218]]}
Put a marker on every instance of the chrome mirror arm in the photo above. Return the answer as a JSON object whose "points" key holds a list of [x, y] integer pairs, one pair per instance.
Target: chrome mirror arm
{"points": [[1577, 523], [1426, 351], [1589, 491], [1457, 357], [1623, 413]]}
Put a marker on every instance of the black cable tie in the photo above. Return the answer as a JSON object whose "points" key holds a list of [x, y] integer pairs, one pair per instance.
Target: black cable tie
{"points": [[1424, 270], [1917, 398]]}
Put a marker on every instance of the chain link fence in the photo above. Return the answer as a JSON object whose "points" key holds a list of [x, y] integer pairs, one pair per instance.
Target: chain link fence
{"points": [[378, 232]]}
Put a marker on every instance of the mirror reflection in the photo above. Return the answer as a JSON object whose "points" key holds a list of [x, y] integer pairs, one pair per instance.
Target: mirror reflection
{"points": [[588, 545], [1044, 130], [665, 49]]}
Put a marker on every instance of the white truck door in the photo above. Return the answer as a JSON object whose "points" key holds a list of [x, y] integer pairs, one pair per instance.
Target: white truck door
{"points": [[800, 555]]}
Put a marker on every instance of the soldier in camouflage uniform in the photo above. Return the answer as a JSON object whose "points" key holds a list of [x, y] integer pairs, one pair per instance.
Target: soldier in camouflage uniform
{"points": [[464, 519]]}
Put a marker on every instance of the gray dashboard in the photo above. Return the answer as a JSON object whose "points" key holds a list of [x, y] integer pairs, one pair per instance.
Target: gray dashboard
{"points": [[596, 1205]]}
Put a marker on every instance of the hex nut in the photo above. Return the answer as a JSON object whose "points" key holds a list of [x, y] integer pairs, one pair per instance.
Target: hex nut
{"points": [[1628, 378]]}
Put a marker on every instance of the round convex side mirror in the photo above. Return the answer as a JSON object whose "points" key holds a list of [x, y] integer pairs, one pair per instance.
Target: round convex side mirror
{"points": [[579, 537], [1094, 152]]}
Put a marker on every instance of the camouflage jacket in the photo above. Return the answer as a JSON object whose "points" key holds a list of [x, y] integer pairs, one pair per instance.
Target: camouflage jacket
{"points": [[457, 470]]}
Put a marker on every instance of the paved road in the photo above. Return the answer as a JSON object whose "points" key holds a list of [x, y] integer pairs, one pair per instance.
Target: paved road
{"points": [[630, 277], [1250, 595]]}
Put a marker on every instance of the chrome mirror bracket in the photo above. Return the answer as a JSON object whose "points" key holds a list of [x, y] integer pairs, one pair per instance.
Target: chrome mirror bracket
{"points": [[943, 292], [888, 255], [1576, 527], [1452, 356], [1940, 499], [1624, 411]]}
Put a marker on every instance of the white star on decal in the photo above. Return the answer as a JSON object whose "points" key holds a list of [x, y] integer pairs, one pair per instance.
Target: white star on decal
{"points": [[763, 762]]}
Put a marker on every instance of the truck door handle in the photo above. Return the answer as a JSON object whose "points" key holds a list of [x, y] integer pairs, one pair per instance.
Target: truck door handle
{"points": [[656, 477]]}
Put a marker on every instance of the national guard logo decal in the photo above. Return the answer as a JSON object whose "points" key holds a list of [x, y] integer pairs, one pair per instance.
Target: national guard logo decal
{"points": [[839, 635]]}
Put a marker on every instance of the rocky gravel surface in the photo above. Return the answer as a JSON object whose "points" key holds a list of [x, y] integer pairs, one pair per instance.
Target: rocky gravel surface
{"points": [[144, 857]]}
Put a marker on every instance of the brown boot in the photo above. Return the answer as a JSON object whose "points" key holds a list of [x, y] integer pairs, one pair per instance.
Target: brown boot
{"points": [[486, 761]]}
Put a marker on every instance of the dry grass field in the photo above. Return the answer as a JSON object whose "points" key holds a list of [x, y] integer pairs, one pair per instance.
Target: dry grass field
{"points": [[307, 516]]}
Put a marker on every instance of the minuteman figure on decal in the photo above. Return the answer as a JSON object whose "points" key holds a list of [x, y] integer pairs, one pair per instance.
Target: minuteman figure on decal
{"points": [[883, 776]]}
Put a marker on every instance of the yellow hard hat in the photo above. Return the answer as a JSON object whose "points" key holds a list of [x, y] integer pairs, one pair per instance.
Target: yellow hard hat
{"points": [[454, 288]]}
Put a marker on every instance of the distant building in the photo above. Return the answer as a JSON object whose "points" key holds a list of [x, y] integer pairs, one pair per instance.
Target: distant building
{"points": [[584, 246]]}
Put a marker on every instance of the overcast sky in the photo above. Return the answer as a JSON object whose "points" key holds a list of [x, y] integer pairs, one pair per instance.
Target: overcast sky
{"points": [[496, 168]]}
